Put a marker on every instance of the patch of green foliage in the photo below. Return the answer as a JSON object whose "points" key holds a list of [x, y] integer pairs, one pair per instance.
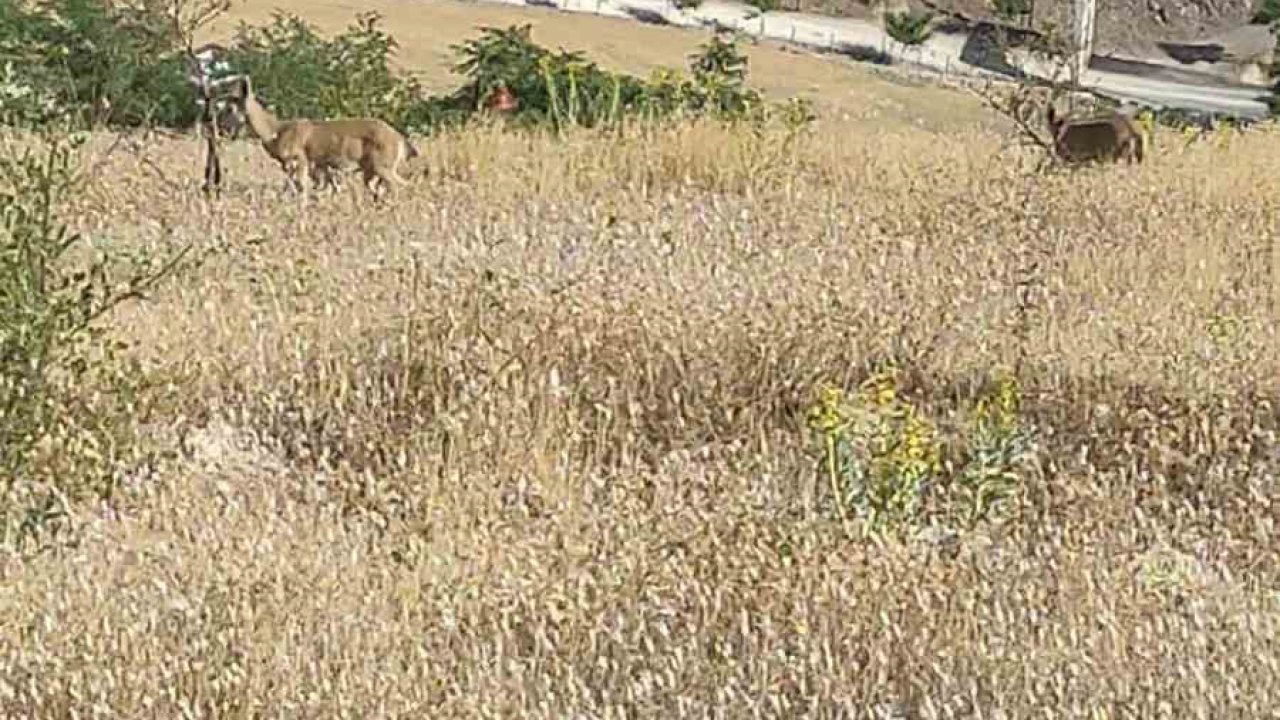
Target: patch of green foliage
{"points": [[68, 399], [888, 467], [909, 27], [299, 73], [566, 89], [62, 58], [1267, 12]]}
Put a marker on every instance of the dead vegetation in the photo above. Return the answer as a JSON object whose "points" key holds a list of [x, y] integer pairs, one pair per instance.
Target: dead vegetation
{"points": [[531, 443]]}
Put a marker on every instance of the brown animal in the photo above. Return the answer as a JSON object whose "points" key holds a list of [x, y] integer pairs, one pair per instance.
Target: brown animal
{"points": [[322, 147], [1110, 137]]}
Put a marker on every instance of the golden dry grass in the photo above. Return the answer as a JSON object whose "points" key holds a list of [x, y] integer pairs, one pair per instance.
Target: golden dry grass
{"points": [[529, 442]]}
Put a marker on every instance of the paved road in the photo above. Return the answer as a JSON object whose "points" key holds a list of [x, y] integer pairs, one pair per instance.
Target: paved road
{"points": [[1133, 82]]}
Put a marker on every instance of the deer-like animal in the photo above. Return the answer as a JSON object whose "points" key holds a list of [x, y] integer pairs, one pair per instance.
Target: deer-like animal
{"points": [[316, 149], [1110, 137]]}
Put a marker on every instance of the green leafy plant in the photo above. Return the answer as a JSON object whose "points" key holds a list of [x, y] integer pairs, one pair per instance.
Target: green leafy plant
{"points": [[303, 74], [81, 54], [65, 396], [909, 27], [879, 453], [884, 461], [563, 88], [1267, 12], [560, 89], [719, 72], [999, 444], [23, 103]]}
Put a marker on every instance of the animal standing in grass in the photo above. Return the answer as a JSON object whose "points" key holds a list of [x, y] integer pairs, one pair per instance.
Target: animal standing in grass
{"points": [[1111, 137], [316, 149]]}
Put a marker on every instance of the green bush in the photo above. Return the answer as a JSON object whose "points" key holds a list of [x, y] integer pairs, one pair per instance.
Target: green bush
{"points": [[909, 27], [564, 88], [73, 54], [560, 88], [1266, 12], [66, 399], [298, 73], [61, 59]]}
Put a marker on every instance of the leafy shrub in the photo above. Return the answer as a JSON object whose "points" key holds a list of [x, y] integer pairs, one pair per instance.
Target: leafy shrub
{"points": [[302, 74], [909, 27], [77, 53], [715, 86], [559, 88], [564, 88], [65, 398], [22, 103], [64, 58], [764, 6], [1266, 13], [688, 4]]}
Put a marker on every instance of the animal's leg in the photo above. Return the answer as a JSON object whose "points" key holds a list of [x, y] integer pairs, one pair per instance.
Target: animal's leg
{"points": [[391, 180], [326, 176], [286, 166], [370, 176], [299, 172], [319, 177]]}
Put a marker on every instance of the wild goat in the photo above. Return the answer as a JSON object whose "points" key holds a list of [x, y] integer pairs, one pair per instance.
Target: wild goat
{"points": [[315, 149], [1105, 138]]}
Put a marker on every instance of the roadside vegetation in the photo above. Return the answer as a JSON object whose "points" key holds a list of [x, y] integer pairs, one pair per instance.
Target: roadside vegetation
{"points": [[653, 395]]}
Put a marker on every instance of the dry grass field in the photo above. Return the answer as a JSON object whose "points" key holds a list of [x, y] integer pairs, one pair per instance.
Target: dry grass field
{"points": [[530, 441]]}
